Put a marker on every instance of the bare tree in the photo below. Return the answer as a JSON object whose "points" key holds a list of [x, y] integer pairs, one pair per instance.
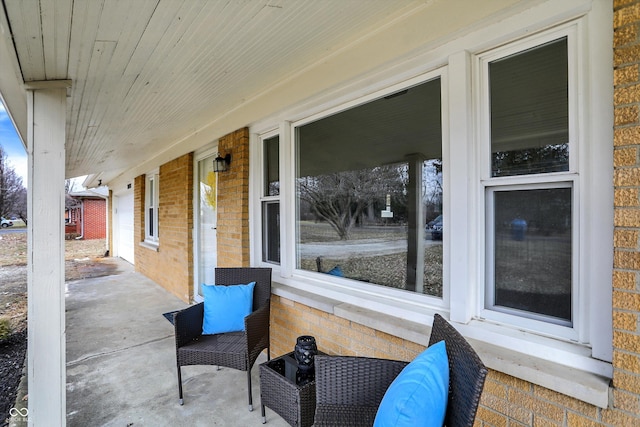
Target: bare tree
{"points": [[20, 208], [11, 189], [341, 198], [69, 201]]}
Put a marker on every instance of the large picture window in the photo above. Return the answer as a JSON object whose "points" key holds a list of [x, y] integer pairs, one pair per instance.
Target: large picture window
{"points": [[369, 192]]}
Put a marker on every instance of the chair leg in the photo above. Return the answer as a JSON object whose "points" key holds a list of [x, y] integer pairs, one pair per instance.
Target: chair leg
{"points": [[180, 385], [249, 389]]}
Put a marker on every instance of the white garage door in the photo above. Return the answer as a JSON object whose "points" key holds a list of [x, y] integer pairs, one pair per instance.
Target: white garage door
{"points": [[123, 227]]}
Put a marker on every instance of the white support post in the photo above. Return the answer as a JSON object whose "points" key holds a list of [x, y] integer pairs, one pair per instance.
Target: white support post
{"points": [[46, 308]]}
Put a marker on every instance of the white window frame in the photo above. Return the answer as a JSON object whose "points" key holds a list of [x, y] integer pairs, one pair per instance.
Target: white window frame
{"points": [[355, 287], [266, 198], [570, 178], [509, 348], [151, 200]]}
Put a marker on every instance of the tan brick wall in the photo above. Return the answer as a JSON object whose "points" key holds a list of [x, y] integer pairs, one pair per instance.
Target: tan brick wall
{"points": [[171, 266], [508, 401], [626, 276], [233, 201]]}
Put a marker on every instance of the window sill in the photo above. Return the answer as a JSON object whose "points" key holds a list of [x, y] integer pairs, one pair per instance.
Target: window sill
{"points": [[589, 384], [150, 245]]}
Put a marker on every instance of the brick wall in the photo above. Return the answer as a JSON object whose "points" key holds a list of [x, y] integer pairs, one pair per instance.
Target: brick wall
{"points": [[171, 265], [626, 276], [95, 218], [509, 401], [233, 201]]}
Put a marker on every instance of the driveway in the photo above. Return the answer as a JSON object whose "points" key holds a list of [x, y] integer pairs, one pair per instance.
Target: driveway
{"points": [[365, 247], [11, 230]]}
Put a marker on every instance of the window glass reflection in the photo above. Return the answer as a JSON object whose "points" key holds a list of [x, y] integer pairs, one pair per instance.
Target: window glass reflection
{"points": [[530, 111], [368, 181]]}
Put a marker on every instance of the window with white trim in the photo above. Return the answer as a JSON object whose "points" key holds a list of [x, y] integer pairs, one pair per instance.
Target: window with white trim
{"points": [[270, 199], [151, 197], [530, 176], [369, 191], [501, 160]]}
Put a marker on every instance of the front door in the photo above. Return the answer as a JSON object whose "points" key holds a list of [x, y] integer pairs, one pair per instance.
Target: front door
{"points": [[206, 220]]}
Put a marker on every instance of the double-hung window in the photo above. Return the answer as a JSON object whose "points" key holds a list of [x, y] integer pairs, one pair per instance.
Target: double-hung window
{"points": [[530, 179], [270, 199], [151, 197]]}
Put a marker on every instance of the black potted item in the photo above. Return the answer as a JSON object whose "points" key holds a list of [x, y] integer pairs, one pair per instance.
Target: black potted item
{"points": [[304, 352]]}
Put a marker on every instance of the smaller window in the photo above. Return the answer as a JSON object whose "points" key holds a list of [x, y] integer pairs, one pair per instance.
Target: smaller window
{"points": [[151, 208], [271, 200]]}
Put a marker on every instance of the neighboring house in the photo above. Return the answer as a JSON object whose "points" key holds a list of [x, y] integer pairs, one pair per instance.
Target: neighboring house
{"points": [[88, 218], [517, 120]]}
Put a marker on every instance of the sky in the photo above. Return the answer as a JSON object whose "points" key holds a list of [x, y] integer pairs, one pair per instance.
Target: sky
{"points": [[12, 145]]}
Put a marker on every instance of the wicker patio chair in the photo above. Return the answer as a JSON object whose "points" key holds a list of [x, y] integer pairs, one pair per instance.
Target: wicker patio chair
{"points": [[237, 350], [349, 389]]}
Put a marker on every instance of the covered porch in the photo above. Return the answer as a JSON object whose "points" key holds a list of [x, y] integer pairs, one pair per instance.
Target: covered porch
{"points": [[141, 103], [121, 367]]}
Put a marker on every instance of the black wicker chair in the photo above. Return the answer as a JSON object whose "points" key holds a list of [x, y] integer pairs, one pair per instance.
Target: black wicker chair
{"points": [[350, 389], [237, 350]]}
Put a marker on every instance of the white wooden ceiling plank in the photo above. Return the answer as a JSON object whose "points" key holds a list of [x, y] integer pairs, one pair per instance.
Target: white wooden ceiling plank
{"points": [[178, 65], [24, 18], [139, 70], [56, 31], [102, 54], [99, 18], [190, 67], [122, 71], [246, 53], [128, 35], [163, 76], [85, 20]]}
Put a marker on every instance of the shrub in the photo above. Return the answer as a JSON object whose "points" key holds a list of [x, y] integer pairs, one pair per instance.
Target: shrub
{"points": [[5, 328]]}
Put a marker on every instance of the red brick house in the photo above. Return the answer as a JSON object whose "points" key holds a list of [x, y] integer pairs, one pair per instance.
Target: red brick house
{"points": [[88, 218]]}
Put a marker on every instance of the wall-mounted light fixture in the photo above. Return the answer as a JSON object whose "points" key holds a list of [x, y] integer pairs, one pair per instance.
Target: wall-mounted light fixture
{"points": [[221, 164]]}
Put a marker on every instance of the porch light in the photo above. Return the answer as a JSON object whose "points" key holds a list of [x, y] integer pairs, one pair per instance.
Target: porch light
{"points": [[221, 164]]}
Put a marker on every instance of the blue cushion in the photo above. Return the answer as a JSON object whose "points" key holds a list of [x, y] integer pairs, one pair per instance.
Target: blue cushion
{"points": [[225, 307], [418, 396]]}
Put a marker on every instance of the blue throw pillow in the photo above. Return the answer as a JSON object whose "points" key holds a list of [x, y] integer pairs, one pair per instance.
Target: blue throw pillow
{"points": [[418, 396], [225, 307]]}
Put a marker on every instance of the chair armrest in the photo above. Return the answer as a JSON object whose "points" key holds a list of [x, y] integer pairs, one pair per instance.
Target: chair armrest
{"points": [[354, 381], [257, 331], [188, 324]]}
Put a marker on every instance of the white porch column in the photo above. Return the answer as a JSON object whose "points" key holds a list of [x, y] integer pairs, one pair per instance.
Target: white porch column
{"points": [[46, 344]]}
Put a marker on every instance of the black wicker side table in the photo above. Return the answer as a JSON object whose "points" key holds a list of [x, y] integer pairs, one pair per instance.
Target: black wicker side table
{"points": [[293, 399]]}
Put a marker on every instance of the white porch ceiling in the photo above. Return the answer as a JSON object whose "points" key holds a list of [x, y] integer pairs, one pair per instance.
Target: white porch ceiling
{"points": [[147, 75]]}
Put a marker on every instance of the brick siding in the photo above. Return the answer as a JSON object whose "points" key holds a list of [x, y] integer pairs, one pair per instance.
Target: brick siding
{"points": [[171, 265], [233, 201], [94, 218]]}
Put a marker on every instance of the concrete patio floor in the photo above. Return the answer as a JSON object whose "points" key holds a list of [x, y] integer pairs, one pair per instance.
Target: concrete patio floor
{"points": [[121, 368]]}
